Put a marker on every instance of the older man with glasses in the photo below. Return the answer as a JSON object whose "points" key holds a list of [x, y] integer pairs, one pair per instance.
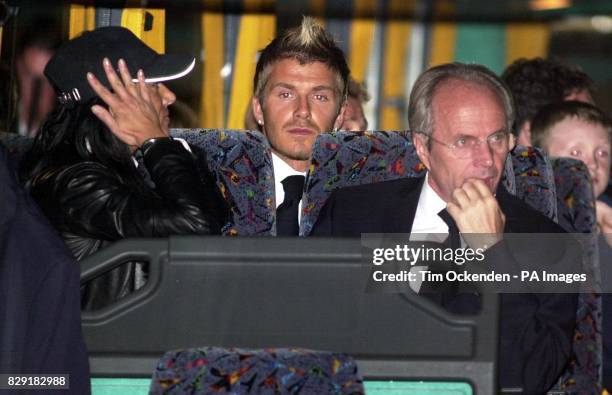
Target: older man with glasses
{"points": [[461, 116]]}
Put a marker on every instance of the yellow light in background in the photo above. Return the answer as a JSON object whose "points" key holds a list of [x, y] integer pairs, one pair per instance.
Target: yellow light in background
{"points": [[544, 5]]}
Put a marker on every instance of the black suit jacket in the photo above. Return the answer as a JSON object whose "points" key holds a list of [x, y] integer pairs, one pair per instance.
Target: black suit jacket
{"points": [[535, 329], [40, 315]]}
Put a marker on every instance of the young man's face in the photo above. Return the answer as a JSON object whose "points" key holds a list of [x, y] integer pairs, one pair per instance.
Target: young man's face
{"points": [[462, 111], [582, 95], [585, 141], [299, 103]]}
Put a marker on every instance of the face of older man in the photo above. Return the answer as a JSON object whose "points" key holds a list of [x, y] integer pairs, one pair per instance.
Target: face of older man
{"points": [[300, 102], [464, 111]]}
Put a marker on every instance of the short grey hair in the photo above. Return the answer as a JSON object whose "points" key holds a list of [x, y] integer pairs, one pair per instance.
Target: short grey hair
{"points": [[419, 108]]}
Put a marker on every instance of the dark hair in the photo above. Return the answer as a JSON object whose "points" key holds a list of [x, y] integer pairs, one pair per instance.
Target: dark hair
{"points": [[46, 35], [552, 114], [534, 83], [307, 43], [8, 100], [72, 135]]}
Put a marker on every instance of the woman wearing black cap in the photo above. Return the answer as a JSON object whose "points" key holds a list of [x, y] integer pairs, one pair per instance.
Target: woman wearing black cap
{"points": [[83, 170]]}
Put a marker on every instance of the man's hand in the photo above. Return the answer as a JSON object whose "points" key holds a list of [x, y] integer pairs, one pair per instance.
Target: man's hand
{"points": [[131, 115], [477, 214], [604, 220]]}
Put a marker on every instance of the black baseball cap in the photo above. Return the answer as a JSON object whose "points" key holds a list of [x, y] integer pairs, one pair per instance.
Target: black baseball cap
{"points": [[68, 68]]}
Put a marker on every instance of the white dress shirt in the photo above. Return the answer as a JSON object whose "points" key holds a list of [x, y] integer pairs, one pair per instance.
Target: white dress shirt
{"points": [[426, 218], [427, 224]]}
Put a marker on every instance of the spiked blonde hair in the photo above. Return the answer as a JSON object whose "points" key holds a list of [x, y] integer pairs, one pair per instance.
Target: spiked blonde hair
{"points": [[306, 43]]}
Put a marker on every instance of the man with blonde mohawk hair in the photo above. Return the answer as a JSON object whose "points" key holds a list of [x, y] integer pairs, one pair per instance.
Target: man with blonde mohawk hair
{"points": [[300, 87]]}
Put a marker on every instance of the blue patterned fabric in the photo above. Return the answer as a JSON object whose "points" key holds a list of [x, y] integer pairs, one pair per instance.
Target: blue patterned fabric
{"points": [[576, 210], [242, 371], [535, 181], [242, 164], [342, 159], [575, 200]]}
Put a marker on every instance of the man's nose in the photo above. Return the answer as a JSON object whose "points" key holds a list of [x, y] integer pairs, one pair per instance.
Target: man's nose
{"points": [[593, 164], [483, 153], [168, 97], [302, 109]]}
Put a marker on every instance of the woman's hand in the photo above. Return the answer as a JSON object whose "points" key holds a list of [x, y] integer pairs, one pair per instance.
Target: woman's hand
{"points": [[131, 115]]}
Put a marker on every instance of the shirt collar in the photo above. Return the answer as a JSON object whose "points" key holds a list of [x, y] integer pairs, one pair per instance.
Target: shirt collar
{"points": [[429, 200], [282, 169]]}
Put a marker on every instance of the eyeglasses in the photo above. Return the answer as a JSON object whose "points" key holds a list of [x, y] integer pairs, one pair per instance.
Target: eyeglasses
{"points": [[465, 146]]}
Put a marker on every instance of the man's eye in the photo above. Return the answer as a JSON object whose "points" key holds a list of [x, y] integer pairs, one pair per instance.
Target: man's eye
{"points": [[462, 142], [284, 95], [321, 97], [602, 153], [497, 137]]}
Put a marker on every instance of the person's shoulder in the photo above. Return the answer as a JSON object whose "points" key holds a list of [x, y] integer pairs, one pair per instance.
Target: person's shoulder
{"points": [[366, 208], [80, 177], [521, 216], [82, 169], [378, 189]]}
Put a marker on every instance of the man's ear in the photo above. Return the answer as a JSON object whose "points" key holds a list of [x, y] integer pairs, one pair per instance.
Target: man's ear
{"points": [[512, 141], [420, 143], [524, 137], [340, 118], [257, 111]]}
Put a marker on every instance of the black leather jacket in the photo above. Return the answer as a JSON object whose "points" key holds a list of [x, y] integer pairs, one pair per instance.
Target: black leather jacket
{"points": [[93, 205]]}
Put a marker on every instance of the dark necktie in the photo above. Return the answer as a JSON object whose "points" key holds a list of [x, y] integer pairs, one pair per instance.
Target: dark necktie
{"points": [[454, 239], [456, 297], [287, 213]]}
